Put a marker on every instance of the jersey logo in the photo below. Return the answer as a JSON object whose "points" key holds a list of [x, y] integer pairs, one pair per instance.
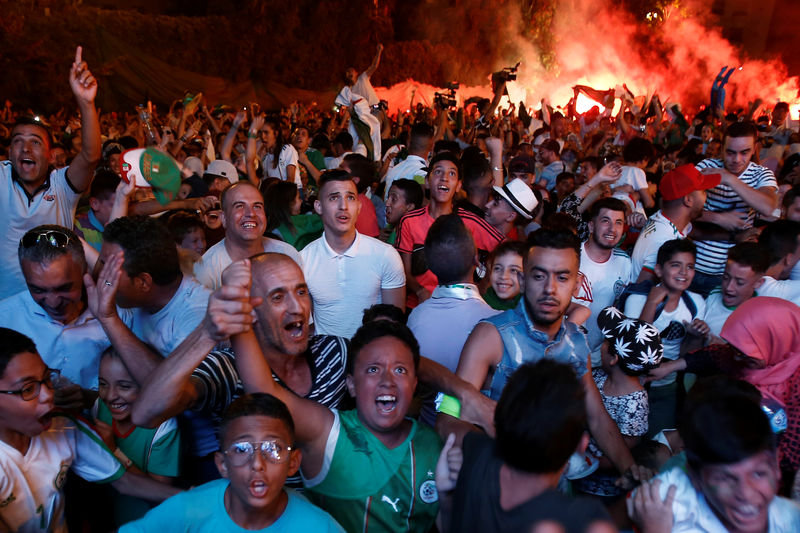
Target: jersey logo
{"points": [[50, 197], [58, 482], [386, 499], [428, 492]]}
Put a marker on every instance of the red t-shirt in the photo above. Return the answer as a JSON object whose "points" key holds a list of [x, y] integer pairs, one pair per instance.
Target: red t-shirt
{"points": [[412, 230], [367, 221]]}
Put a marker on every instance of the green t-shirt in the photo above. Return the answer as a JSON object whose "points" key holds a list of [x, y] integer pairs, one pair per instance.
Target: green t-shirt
{"points": [[495, 302], [367, 487], [316, 158], [307, 228], [153, 451]]}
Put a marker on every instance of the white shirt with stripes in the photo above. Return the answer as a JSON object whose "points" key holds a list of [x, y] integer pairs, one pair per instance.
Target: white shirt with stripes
{"points": [[712, 255]]}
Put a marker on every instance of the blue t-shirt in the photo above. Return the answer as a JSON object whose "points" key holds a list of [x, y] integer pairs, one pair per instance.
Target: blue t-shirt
{"points": [[203, 509]]}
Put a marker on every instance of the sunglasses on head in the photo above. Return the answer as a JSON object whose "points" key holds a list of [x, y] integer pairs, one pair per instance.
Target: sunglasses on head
{"points": [[53, 237]]}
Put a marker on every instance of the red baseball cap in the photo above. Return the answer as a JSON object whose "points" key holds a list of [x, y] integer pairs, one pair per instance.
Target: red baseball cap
{"points": [[684, 180]]}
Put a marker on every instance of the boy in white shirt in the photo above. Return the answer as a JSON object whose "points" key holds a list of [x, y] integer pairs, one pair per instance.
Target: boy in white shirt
{"points": [[39, 445], [673, 310]]}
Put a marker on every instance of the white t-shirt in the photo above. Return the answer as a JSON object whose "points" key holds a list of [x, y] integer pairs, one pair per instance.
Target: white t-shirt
{"points": [[411, 168], [170, 325], [716, 312], [658, 230], [691, 512], [55, 203], [363, 87], [670, 324], [208, 270], [712, 255], [599, 287], [633, 176], [343, 285], [288, 156], [31, 485], [786, 289], [795, 274]]}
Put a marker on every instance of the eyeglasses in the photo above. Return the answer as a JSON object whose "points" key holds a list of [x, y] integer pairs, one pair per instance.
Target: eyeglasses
{"points": [[241, 453], [53, 237], [30, 391]]}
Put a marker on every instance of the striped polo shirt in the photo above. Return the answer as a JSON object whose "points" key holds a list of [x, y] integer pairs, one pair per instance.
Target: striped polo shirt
{"points": [[711, 255]]}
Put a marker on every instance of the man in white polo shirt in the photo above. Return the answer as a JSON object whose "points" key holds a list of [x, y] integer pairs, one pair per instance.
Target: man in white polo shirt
{"points": [[683, 191], [30, 193], [413, 167], [244, 220], [348, 272]]}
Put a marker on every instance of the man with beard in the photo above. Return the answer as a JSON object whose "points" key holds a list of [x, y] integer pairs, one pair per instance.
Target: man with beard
{"points": [[605, 269], [536, 329], [683, 194]]}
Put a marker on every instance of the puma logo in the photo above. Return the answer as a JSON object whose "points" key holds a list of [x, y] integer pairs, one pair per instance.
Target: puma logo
{"points": [[392, 503]]}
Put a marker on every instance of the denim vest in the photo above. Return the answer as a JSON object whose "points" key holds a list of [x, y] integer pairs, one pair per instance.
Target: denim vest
{"points": [[522, 343]]}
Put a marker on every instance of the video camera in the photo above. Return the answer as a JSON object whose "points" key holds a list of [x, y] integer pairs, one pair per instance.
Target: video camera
{"points": [[447, 99], [507, 74]]}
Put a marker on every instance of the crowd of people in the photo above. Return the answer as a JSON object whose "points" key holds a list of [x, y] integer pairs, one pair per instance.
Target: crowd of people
{"points": [[470, 317]]}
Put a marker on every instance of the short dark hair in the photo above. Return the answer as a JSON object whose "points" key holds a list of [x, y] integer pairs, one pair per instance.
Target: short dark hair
{"points": [[741, 129], [750, 254], [43, 252], [449, 249], [361, 168], [35, 120], [669, 249], [779, 239], [540, 417], [148, 247], [445, 156], [386, 311], [13, 343], [256, 404], [377, 329], [443, 145], [508, 247], [556, 239], [723, 423], [335, 174], [104, 184], [592, 160], [564, 176], [611, 203], [180, 223], [412, 191], [345, 139], [473, 167], [421, 134], [638, 149]]}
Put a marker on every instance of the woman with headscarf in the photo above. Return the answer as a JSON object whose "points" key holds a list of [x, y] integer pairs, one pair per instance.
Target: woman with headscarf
{"points": [[765, 333]]}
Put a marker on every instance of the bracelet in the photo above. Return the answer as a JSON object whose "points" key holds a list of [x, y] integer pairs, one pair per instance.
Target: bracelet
{"points": [[251, 135], [184, 138], [119, 454]]}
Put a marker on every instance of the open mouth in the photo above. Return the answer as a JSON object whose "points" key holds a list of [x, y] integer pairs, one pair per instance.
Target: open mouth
{"points": [[386, 403], [27, 165], [295, 329], [746, 514], [118, 406], [46, 419], [258, 489], [249, 225]]}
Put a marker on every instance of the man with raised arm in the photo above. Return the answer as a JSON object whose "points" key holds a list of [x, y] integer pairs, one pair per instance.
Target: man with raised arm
{"points": [[31, 193]]}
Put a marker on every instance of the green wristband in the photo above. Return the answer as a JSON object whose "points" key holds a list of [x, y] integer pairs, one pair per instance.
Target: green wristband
{"points": [[448, 405]]}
